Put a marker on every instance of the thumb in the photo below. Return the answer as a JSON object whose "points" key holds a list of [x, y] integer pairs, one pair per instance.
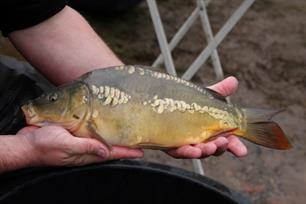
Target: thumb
{"points": [[26, 130], [89, 146]]}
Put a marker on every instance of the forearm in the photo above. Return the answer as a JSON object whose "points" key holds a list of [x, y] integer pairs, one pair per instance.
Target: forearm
{"points": [[15, 153], [63, 47]]}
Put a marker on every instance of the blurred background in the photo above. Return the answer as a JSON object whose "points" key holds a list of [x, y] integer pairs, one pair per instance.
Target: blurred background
{"points": [[266, 51]]}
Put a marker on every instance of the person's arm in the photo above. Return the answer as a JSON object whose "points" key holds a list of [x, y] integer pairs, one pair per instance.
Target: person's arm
{"points": [[63, 47], [15, 153]]}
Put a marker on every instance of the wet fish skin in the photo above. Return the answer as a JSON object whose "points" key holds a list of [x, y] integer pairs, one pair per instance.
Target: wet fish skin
{"points": [[136, 107]]}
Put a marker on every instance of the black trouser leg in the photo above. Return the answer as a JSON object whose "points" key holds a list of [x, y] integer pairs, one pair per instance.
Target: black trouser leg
{"points": [[15, 89]]}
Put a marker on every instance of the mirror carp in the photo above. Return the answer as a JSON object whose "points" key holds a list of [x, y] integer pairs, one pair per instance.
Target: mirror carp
{"points": [[136, 107]]}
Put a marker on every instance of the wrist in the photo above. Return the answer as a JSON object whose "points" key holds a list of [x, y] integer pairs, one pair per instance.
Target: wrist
{"points": [[16, 153], [29, 151]]}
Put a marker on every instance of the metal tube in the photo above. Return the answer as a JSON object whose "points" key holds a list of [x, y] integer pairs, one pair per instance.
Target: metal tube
{"points": [[197, 166], [179, 35], [159, 29], [228, 26], [209, 36]]}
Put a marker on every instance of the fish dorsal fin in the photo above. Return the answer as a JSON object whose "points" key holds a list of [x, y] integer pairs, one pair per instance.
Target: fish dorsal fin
{"points": [[216, 94]]}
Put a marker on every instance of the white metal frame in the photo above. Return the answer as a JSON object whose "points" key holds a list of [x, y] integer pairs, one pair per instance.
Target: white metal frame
{"points": [[209, 51]]}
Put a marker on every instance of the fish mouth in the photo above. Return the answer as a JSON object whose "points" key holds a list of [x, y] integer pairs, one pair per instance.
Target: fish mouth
{"points": [[30, 114]]}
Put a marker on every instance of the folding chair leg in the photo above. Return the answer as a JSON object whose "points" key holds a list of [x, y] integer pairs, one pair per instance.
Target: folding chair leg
{"points": [[179, 35], [181, 32], [209, 36], [228, 26], [162, 40], [197, 166]]}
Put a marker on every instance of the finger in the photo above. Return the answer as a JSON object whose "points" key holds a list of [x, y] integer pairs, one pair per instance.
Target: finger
{"points": [[225, 87], [88, 146], [207, 149], [186, 151], [221, 143], [124, 152], [236, 147]]}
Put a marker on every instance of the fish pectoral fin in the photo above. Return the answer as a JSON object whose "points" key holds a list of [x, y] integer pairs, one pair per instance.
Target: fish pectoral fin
{"points": [[221, 133], [92, 128]]}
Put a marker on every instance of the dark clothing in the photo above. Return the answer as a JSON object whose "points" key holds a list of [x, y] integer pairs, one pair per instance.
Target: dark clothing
{"points": [[20, 14], [15, 89]]}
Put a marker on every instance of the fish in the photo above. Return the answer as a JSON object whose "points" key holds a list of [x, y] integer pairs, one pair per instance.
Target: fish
{"points": [[133, 106]]}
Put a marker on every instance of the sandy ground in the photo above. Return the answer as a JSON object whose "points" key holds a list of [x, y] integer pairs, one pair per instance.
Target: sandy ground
{"points": [[267, 53]]}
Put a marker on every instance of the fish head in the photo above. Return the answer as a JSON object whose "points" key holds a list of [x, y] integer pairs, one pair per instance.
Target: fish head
{"points": [[66, 106]]}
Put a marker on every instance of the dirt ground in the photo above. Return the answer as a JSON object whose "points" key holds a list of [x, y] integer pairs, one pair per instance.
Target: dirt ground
{"points": [[266, 51]]}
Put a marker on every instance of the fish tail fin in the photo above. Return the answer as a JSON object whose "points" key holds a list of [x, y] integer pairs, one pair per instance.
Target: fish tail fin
{"points": [[261, 130]]}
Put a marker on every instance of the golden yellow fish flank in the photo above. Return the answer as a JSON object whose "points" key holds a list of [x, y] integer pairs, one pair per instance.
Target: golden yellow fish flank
{"points": [[136, 107]]}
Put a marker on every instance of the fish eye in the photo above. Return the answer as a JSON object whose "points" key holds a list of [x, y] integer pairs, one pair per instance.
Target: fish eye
{"points": [[52, 97]]}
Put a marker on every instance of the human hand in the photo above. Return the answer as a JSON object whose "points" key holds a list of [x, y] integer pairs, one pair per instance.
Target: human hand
{"points": [[223, 142], [55, 146]]}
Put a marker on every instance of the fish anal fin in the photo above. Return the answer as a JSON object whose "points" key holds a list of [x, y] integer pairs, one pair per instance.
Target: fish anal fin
{"points": [[224, 132]]}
